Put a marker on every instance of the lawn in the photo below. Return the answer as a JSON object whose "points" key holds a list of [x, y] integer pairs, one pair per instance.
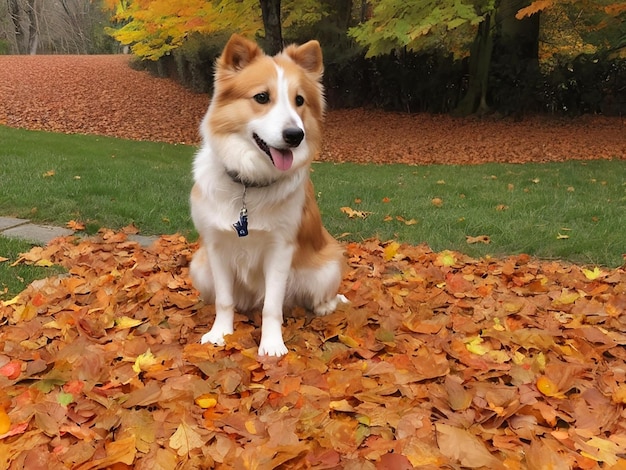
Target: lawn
{"points": [[573, 210]]}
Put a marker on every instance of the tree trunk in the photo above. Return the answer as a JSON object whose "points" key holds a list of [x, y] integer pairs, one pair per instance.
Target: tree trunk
{"points": [[515, 63], [270, 10], [33, 27], [475, 99], [20, 36]]}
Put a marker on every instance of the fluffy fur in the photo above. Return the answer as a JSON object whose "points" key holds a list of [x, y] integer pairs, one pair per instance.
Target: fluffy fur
{"points": [[260, 133]]}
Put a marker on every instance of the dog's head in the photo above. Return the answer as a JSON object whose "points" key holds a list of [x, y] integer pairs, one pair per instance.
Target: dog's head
{"points": [[265, 116]]}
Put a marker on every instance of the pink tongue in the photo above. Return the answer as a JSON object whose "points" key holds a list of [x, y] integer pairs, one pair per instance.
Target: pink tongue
{"points": [[282, 158]]}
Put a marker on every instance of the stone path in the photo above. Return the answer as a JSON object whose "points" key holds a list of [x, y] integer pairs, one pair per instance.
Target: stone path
{"points": [[42, 234]]}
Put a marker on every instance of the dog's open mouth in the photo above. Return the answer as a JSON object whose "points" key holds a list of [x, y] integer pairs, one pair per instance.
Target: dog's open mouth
{"points": [[281, 158]]}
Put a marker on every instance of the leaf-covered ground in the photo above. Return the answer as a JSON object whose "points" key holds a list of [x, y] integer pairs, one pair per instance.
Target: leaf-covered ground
{"points": [[103, 95], [439, 361]]}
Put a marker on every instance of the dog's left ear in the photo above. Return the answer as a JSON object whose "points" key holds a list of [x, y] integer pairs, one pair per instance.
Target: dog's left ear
{"points": [[308, 56]]}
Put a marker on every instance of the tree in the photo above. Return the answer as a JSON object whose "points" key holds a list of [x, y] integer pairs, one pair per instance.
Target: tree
{"points": [[270, 11], [487, 33], [462, 28], [154, 28], [25, 19], [61, 26]]}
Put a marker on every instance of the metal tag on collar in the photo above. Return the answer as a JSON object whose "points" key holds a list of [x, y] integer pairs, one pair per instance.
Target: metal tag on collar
{"points": [[241, 226]]}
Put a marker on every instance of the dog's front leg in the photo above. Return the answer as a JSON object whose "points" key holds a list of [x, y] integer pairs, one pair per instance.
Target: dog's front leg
{"points": [[223, 278], [276, 267]]}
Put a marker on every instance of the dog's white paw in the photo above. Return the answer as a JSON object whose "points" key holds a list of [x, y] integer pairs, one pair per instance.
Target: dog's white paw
{"points": [[215, 336], [272, 347], [329, 306]]}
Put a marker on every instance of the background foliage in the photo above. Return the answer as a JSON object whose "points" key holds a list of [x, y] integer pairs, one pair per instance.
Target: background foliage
{"points": [[408, 56]]}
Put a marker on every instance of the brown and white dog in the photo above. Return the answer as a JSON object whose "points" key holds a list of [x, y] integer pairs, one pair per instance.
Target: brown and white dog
{"points": [[262, 242]]}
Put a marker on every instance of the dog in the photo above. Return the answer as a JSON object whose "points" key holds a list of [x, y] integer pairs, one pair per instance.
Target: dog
{"points": [[261, 239]]}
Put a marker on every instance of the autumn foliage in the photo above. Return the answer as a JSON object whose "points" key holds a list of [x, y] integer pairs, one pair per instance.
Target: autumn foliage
{"points": [[439, 361]]}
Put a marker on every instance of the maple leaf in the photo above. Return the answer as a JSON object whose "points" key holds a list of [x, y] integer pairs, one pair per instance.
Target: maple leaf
{"points": [[594, 274]]}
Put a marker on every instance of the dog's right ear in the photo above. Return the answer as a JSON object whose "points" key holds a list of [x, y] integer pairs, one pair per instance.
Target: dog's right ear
{"points": [[238, 53]]}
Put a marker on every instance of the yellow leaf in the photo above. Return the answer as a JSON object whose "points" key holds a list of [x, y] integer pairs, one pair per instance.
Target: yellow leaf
{"points": [[391, 251], [560, 236], [122, 323], [593, 275], [348, 341], [5, 421], [49, 173], [250, 427], [13, 301], [144, 361], [548, 388], [206, 401], [445, 258], [44, 263], [474, 345]]}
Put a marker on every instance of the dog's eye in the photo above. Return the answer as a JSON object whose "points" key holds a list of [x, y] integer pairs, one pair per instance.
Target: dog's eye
{"points": [[262, 98], [299, 100]]}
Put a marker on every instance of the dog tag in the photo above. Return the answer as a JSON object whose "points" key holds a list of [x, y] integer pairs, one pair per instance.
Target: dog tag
{"points": [[241, 226]]}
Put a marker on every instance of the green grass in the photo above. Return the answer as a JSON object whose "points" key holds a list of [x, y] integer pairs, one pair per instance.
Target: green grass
{"points": [[528, 208], [101, 181]]}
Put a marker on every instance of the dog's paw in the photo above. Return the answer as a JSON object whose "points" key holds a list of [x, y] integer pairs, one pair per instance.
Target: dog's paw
{"points": [[215, 337], [273, 347], [329, 306]]}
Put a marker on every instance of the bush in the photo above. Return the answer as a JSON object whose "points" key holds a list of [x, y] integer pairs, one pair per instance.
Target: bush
{"points": [[586, 84]]}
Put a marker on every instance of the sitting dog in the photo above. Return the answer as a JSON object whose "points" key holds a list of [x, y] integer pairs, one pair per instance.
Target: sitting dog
{"points": [[262, 242]]}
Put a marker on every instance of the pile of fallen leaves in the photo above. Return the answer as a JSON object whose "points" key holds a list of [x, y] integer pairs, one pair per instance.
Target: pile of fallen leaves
{"points": [[439, 361]]}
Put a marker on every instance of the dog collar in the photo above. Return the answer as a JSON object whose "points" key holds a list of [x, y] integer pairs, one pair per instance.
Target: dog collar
{"points": [[246, 182]]}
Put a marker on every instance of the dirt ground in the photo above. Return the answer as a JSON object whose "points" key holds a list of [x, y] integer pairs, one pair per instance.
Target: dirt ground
{"points": [[103, 95]]}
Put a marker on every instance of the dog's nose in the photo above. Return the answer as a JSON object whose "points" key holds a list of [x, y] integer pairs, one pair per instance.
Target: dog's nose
{"points": [[293, 136]]}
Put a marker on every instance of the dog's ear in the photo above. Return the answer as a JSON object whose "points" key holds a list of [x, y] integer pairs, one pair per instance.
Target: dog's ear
{"points": [[238, 53], [308, 56]]}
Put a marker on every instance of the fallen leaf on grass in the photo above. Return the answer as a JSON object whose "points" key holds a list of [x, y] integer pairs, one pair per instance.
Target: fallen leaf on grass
{"points": [[355, 213], [479, 239], [75, 225], [437, 202]]}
